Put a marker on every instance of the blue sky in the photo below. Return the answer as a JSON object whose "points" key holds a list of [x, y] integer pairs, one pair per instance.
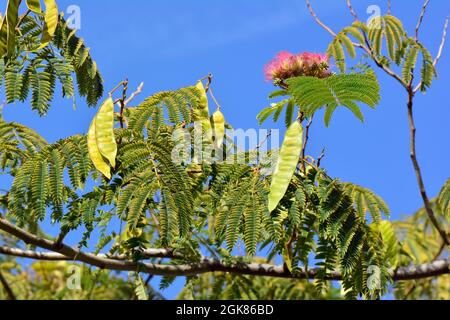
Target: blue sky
{"points": [[169, 44]]}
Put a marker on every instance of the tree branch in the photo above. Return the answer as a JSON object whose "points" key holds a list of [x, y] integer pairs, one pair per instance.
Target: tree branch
{"points": [[314, 15], [422, 15], [367, 48], [352, 11], [134, 94], [206, 265], [417, 169], [439, 54], [305, 143]]}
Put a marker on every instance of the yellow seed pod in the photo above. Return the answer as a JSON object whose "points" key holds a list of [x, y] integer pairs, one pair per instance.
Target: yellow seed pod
{"points": [[94, 153], [286, 164], [104, 131], [218, 124], [201, 112]]}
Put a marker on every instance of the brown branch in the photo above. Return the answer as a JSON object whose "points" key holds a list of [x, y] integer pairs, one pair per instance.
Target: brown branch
{"points": [[422, 15], [417, 169], [116, 87], [305, 143], [411, 92], [9, 291], [122, 102], [314, 15], [389, 7], [60, 238], [206, 265], [366, 48]]}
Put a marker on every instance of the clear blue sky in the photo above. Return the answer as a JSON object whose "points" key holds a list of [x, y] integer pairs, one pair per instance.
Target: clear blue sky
{"points": [[169, 44]]}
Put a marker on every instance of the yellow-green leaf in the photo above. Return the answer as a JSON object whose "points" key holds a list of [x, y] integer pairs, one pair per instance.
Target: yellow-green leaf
{"points": [[34, 5], [287, 164], [51, 21], [104, 131], [390, 240], [3, 38], [218, 124], [8, 28], [287, 259], [94, 153]]}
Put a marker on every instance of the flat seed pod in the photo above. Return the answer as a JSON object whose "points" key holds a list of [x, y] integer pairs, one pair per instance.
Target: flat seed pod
{"points": [[201, 112], [94, 153], [286, 165], [104, 131], [218, 124]]}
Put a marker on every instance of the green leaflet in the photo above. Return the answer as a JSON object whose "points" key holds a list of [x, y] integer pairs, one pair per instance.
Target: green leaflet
{"points": [[8, 28], [51, 22], [218, 124], [34, 5], [139, 289], [94, 153], [104, 131], [390, 241], [201, 112], [311, 94], [287, 163]]}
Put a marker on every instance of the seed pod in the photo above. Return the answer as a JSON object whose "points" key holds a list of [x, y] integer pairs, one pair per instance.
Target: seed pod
{"points": [[201, 112], [94, 153], [104, 131], [218, 124], [286, 165]]}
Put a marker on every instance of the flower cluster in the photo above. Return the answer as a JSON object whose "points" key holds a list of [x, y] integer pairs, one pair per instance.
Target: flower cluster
{"points": [[287, 65]]}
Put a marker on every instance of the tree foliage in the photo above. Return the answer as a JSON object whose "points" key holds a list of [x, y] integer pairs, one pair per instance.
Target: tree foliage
{"points": [[122, 176]]}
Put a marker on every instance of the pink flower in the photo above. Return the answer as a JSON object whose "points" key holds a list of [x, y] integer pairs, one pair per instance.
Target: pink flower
{"points": [[287, 65]]}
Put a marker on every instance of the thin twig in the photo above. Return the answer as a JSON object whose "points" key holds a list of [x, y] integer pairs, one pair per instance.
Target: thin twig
{"points": [[389, 7], [305, 143], [319, 159], [269, 133], [422, 15], [116, 87], [366, 48], [214, 98], [22, 18], [352, 11], [208, 84], [441, 50], [134, 94], [122, 102], [314, 15]]}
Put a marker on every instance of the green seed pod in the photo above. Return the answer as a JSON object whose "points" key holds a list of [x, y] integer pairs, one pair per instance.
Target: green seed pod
{"points": [[286, 165]]}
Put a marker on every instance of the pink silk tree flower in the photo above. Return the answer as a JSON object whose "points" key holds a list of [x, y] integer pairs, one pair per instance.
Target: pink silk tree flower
{"points": [[286, 65]]}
